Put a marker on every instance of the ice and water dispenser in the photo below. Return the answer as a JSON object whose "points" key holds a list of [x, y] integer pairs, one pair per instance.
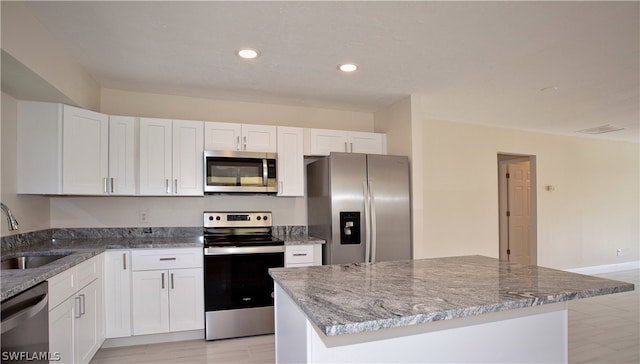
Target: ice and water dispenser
{"points": [[350, 227]]}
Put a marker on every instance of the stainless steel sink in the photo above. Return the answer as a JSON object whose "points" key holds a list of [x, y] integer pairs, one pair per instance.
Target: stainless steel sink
{"points": [[30, 261]]}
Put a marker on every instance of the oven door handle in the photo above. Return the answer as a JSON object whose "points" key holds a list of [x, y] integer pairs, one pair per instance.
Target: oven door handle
{"points": [[243, 250]]}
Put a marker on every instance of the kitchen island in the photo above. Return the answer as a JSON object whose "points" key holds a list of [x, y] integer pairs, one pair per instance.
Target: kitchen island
{"points": [[456, 309]]}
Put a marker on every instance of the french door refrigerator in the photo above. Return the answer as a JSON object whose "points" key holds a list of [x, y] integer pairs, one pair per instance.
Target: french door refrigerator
{"points": [[361, 205]]}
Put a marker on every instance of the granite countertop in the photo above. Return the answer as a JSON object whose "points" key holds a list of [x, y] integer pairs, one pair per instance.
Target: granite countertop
{"points": [[354, 298], [15, 281], [299, 239]]}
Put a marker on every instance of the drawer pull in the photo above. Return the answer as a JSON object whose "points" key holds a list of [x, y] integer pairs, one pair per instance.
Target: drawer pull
{"points": [[172, 286], [162, 280], [124, 261], [163, 259], [299, 254]]}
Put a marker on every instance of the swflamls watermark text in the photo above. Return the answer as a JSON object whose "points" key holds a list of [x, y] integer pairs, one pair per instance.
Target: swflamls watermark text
{"points": [[30, 356]]}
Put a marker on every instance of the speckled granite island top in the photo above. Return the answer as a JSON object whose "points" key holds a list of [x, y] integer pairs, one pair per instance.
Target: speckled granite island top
{"points": [[355, 298]]}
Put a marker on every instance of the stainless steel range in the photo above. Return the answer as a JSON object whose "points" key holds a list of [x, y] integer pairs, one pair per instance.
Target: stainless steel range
{"points": [[239, 249]]}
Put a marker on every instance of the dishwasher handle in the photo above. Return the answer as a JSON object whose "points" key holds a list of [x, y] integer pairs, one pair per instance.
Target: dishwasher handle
{"points": [[31, 308]]}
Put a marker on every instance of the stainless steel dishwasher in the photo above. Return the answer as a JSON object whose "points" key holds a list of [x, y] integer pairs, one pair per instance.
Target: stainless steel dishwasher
{"points": [[25, 326]]}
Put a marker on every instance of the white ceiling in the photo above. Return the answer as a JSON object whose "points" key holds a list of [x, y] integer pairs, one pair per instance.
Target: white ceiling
{"points": [[475, 62]]}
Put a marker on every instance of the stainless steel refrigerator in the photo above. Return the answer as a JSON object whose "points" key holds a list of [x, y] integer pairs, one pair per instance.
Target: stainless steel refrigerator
{"points": [[361, 205]]}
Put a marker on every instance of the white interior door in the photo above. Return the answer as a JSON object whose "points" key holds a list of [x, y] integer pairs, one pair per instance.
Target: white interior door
{"points": [[519, 212]]}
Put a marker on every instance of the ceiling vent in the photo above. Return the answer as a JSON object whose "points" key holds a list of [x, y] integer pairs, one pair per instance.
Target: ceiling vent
{"points": [[600, 129]]}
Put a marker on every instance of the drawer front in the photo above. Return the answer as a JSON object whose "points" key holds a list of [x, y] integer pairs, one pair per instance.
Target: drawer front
{"points": [[89, 270], [298, 255], [62, 286], [152, 259]]}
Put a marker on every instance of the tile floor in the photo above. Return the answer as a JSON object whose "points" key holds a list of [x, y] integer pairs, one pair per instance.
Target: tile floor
{"points": [[602, 329]]}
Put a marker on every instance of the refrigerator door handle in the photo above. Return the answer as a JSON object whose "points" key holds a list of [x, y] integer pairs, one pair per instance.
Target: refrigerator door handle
{"points": [[372, 203], [367, 226]]}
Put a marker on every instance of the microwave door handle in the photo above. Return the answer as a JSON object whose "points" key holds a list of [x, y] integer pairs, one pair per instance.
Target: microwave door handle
{"points": [[265, 172]]}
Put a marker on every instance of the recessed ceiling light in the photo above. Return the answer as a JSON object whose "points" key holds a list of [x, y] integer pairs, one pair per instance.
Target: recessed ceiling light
{"points": [[248, 53], [348, 67]]}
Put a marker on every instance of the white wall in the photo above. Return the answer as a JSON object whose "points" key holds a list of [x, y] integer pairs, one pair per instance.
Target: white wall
{"points": [[593, 211], [32, 212], [25, 39]]}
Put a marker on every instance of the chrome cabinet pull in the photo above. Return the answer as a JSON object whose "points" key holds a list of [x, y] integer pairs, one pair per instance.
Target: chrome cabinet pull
{"points": [[238, 142], [172, 286], [345, 147], [124, 261], [351, 147], [105, 182], [175, 190], [166, 183], [173, 258], [162, 280], [245, 143], [299, 254], [113, 185], [78, 311], [83, 306]]}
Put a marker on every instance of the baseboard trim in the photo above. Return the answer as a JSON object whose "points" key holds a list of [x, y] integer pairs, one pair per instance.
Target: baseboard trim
{"points": [[607, 268], [153, 339]]}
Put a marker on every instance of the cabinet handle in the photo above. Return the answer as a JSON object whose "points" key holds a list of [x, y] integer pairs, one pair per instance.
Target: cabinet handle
{"points": [[172, 281], [83, 307], [162, 280], [105, 182], [175, 183], [78, 311], [299, 254], [113, 185], [166, 184], [238, 142], [345, 147], [173, 258], [245, 143], [124, 261], [351, 147]]}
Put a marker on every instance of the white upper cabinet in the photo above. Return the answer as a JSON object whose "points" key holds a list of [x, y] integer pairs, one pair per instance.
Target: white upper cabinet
{"points": [[171, 157], [187, 162], [325, 141], [123, 152], [240, 137], [290, 161], [62, 150]]}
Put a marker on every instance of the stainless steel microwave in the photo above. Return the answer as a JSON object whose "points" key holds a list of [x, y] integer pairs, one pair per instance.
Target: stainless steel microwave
{"points": [[229, 171]]}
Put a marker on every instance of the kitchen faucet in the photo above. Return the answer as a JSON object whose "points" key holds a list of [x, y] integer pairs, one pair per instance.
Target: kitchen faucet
{"points": [[11, 220]]}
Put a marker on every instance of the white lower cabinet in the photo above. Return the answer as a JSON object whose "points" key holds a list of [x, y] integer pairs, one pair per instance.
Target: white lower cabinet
{"points": [[117, 293], [302, 255], [167, 290], [76, 317]]}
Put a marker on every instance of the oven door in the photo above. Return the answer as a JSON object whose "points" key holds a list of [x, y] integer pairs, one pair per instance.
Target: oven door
{"points": [[239, 290], [238, 277]]}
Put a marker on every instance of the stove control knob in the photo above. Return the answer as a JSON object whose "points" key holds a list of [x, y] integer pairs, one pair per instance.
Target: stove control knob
{"points": [[217, 218], [258, 218], [264, 217], [210, 218]]}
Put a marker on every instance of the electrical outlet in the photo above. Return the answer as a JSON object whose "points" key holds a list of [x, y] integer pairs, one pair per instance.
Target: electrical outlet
{"points": [[619, 251], [143, 216]]}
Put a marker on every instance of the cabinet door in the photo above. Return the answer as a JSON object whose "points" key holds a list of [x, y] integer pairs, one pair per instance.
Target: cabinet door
{"points": [[150, 302], [290, 162], [259, 138], [222, 136], [85, 152], [117, 292], [371, 143], [188, 147], [155, 156], [62, 330], [323, 142], [88, 324], [186, 299], [122, 155]]}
